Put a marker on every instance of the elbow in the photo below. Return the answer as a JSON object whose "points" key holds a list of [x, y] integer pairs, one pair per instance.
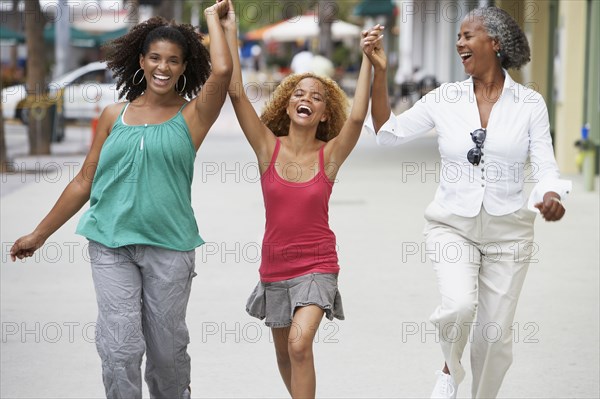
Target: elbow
{"points": [[223, 71]]}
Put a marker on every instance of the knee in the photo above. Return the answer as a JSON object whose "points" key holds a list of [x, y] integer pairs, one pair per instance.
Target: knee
{"points": [[300, 351], [461, 309], [119, 339]]}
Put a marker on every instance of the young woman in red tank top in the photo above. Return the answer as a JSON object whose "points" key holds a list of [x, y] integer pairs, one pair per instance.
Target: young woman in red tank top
{"points": [[301, 140]]}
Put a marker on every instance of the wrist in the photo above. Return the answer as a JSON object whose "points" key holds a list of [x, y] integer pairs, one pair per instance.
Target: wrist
{"points": [[379, 70], [40, 235]]}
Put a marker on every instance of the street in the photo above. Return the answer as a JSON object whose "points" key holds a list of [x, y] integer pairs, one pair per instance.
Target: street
{"points": [[386, 348]]}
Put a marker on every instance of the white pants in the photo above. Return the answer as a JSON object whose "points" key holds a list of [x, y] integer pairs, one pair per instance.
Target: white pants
{"points": [[480, 263]]}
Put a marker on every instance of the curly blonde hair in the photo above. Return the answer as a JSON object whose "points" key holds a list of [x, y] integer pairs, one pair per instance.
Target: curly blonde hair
{"points": [[275, 117]]}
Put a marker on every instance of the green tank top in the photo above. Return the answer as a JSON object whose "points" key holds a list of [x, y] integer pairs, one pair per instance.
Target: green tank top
{"points": [[141, 193]]}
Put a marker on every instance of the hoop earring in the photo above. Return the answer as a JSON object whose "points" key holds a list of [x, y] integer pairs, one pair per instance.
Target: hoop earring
{"points": [[135, 74], [184, 83]]}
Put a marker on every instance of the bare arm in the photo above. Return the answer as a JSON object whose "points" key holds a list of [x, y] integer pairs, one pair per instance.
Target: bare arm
{"points": [[257, 134], [207, 105], [341, 146], [75, 195], [380, 103]]}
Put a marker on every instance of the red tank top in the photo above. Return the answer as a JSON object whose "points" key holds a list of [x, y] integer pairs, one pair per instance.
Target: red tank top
{"points": [[297, 238]]}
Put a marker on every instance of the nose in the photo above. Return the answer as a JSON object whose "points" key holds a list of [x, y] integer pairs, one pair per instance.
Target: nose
{"points": [[459, 43], [307, 97], [163, 65]]}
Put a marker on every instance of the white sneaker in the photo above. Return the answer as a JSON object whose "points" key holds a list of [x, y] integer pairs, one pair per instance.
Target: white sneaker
{"points": [[445, 387]]}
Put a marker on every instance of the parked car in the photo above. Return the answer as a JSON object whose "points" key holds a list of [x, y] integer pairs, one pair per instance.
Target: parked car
{"points": [[84, 92]]}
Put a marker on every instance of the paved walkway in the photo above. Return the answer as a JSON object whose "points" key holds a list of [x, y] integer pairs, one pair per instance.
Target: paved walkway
{"points": [[385, 348]]}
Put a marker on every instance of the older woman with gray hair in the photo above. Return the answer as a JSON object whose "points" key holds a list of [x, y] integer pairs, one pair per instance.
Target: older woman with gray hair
{"points": [[479, 227]]}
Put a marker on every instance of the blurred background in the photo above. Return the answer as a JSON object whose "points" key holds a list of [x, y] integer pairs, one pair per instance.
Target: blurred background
{"points": [[54, 86], [50, 51]]}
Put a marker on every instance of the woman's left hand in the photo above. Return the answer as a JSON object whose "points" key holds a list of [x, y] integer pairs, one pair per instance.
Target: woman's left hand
{"points": [[551, 207]]}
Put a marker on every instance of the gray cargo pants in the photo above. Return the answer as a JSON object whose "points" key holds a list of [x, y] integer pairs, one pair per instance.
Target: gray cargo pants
{"points": [[142, 293]]}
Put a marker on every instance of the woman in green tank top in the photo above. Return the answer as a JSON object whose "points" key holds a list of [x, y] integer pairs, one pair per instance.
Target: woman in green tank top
{"points": [[137, 176]]}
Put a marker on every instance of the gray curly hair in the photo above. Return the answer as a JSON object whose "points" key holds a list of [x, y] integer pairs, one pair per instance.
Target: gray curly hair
{"points": [[514, 47]]}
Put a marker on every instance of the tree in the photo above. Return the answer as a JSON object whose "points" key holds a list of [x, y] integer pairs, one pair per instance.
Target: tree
{"points": [[3, 157], [40, 119], [327, 14], [13, 23]]}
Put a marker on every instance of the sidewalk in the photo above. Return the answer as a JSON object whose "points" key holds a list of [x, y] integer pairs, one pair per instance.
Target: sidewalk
{"points": [[385, 348]]}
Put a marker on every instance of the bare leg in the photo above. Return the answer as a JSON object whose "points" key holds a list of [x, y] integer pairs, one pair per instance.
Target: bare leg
{"points": [[280, 338], [300, 348], [445, 369]]}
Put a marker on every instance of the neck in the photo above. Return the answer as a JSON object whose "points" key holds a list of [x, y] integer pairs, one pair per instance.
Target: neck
{"points": [[301, 139], [490, 80]]}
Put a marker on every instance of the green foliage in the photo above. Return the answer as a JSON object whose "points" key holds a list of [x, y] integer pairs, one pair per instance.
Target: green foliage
{"points": [[253, 14]]}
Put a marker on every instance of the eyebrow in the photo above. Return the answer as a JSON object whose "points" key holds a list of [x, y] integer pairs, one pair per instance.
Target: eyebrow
{"points": [[310, 91], [158, 54]]}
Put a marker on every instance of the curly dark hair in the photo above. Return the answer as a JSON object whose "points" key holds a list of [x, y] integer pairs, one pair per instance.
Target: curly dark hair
{"points": [[275, 117], [123, 55], [514, 47]]}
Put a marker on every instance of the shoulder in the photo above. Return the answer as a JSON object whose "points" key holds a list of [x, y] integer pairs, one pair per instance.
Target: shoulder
{"points": [[523, 94], [112, 112]]}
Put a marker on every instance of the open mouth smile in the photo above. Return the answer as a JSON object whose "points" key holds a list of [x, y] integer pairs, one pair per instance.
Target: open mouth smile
{"points": [[304, 110]]}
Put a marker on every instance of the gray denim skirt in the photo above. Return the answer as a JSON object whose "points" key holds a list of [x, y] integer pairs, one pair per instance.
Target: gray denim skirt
{"points": [[276, 302]]}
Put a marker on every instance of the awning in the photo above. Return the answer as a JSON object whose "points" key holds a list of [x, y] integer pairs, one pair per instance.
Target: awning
{"points": [[9, 37], [374, 7], [257, 34], [306, 27], [80, 38]]}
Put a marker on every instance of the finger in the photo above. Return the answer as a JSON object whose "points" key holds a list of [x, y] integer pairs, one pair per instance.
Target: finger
{"points": [[558, 212], [15, 249], [372, 37], [553, 209]]}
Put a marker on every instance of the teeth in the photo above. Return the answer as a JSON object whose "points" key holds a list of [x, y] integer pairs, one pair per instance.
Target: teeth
{"points": [[305, 108], [465, 55], [160, 77]]}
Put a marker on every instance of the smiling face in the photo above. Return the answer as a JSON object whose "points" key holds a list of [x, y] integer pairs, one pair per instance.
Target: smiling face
{"points": [[476, 49], [163, 65], [307, 106]]}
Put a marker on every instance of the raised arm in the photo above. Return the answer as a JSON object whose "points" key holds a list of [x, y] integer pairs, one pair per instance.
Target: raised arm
{"points": [[380, 103], [207, 105], [74, 196], [340, 147], [257, 134]]}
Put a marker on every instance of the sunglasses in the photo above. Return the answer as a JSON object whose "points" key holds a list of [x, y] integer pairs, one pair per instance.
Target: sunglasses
{"points": [[474, 155]]}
